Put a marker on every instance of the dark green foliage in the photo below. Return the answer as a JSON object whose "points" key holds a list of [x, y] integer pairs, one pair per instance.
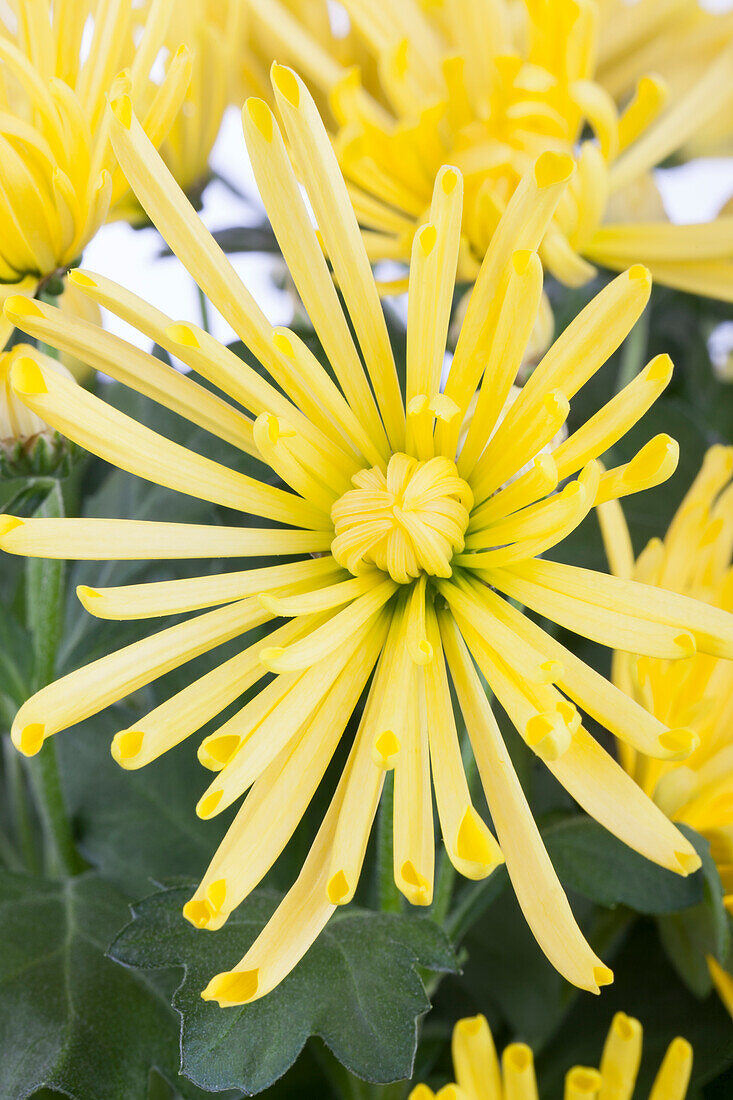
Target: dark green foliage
{"points": [[70, 1018]]}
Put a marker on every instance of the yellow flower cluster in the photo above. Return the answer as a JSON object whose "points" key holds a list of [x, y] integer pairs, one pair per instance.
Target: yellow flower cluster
{"points": [[694, 559], [414, 525], [678, 39], [481, 1076], [213, 31], [59, 179], [487, 85]]}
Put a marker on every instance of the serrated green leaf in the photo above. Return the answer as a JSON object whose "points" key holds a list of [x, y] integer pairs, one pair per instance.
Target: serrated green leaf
{"points": [[71, 1019], [594, 863], [690, 936], [357, 988]]}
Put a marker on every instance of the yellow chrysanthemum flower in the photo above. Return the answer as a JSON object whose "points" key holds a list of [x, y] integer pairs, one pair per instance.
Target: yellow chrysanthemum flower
{"points": [[678, 39], [694, 559], [213, 30], [488, 85], [480, 1075], [407, 544], [301, 33], [59, 178]]}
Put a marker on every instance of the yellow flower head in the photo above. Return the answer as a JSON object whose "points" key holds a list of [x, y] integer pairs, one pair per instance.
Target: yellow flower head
{"points": [[488, 85], [213, 31], [694, 559], [59, 178], [480, 1075], [678, 40], [405, 545], [300, 33]]}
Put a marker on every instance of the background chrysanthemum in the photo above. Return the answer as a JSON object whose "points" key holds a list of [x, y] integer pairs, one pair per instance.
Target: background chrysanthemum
{"points": [[694, 558], [678, 41], [59, 179], [213, 30], [481, 1075], [489, 85]]}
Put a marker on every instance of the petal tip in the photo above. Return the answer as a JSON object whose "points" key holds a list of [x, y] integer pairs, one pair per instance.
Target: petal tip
{"points": [[260, 116], [638, 273], [121, 108], [448, 177], [8, 524], [18, 305], [29, 739], [183, 334], [338, 889], [197, 913], [426, 237], [81, 278], [234, 987], [688, 861], [285, 81], [208, 804], [386, 750], [602, 975], [552, 168], [126, 745], [86, 597], [26, 378], [678, 743]]}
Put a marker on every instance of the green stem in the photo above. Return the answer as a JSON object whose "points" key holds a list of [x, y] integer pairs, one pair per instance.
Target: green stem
{"points": [[45, 602], [389, 899], [475, 899], [18, 799], [397, 1091], [158, 1088], [204, 308], [343, 1083], [62, 856], [445, 880], [8, 854]]}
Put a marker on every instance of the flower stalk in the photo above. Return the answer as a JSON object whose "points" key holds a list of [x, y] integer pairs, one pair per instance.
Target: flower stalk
{"points": [[45, 601]]}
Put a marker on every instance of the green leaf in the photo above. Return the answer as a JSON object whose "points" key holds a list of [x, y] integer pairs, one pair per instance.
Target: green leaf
{"points": [[593, 862], [71, 1019], [135, 826], [507, 974], [688, 937], [357, 988], [242, 238]]}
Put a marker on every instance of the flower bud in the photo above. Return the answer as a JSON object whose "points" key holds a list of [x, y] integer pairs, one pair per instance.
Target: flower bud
{"points": [[28, 446]]}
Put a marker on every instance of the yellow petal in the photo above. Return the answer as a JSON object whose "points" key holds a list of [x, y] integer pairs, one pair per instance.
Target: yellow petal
{"points": [[118, 438], [90, 689], [141, 540], [537, 888]]}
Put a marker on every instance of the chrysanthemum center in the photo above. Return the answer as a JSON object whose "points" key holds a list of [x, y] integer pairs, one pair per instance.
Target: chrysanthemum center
{"points": [[409, 522]]}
